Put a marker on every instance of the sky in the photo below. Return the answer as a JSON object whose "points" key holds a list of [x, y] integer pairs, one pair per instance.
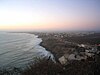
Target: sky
{"points": [[51, 15]]}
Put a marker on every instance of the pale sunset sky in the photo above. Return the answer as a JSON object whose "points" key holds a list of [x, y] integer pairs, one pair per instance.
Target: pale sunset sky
{"points": [[26, 15]]}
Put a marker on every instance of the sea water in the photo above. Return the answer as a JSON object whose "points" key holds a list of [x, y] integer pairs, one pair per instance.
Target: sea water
{"points": [[19, 49]]}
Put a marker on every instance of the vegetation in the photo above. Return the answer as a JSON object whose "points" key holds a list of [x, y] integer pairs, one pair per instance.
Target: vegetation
{"points": [[58, 47], [44, 66], [86, 39], [14, 71]]}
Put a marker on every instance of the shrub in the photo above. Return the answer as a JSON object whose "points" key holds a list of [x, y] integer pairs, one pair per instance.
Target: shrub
{"points": [[44, 67]]}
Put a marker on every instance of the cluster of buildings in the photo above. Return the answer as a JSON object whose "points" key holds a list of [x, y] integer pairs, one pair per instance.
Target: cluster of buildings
{"points": [[81, 52]]}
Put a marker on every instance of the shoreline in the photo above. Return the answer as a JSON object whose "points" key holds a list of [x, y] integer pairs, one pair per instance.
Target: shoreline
{"points": [[58, 45], [63, 44], [49, 45], [55, 58]]}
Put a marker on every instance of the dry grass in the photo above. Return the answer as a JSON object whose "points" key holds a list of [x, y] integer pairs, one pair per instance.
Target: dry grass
{"points": [[48, 67]]}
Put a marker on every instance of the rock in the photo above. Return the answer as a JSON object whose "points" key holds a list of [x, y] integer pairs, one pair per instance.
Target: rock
{"points": [[63, 60], [89, 54], [77, 57], [71, 57], [87, 51]]}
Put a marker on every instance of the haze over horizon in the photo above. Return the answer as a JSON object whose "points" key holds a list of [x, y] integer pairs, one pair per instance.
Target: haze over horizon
{"points": [[51, 15]]}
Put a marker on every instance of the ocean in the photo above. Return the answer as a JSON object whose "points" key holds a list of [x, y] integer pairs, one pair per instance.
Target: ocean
{"points": [[20, 49]]}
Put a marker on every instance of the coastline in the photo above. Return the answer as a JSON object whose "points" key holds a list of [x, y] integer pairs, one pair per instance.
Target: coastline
{"points": [[60, 44], [53, 45], [55, 58]]}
